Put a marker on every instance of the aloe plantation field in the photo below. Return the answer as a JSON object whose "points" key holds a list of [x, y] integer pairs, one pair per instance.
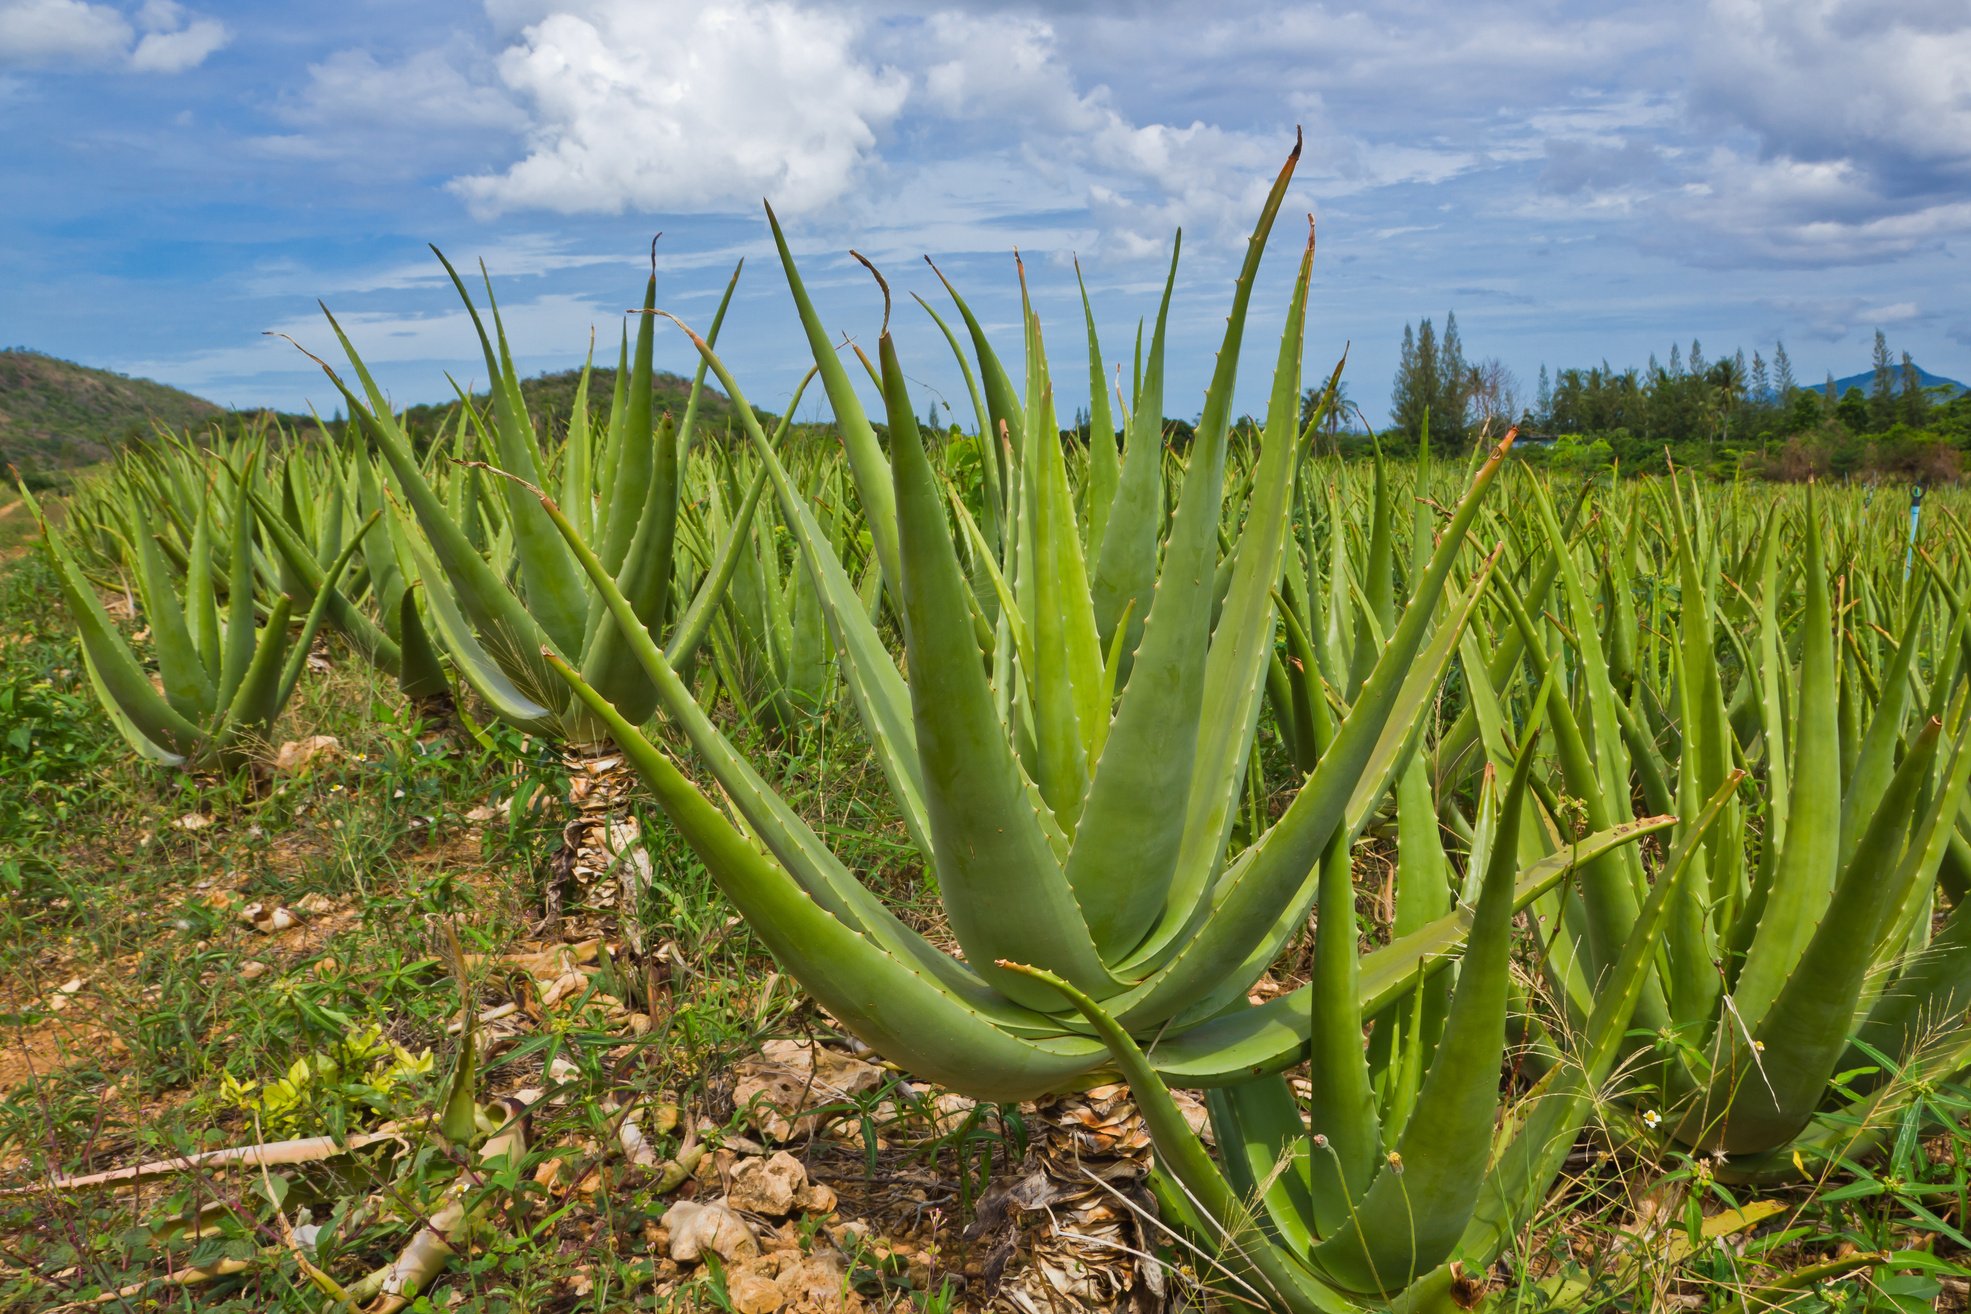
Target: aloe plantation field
{"points": [[609, 857]]}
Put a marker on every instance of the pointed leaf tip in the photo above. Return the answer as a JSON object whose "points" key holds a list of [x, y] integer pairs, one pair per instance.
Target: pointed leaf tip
{"points": [[881, 282]]}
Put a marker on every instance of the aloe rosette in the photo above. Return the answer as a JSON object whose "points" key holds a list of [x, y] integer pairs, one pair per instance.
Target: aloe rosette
{"points": [[499, 583], [222, 677], [1075, 819]]}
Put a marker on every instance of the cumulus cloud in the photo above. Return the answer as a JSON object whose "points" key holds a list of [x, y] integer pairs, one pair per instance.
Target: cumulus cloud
{"points": [[51, 31], [164, 37], [1831, 319], [686, 106], [1141, 179], [174, 40]]}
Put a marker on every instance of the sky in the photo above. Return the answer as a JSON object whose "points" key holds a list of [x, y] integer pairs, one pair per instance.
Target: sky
{"points": [[1576, 181]]}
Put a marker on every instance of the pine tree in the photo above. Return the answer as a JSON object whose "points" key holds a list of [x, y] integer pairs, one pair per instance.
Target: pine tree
{"points": [[1453, 391], [1761, 381], [1783, 375], [1426, 384], [1915, 403], [1406, 399], [1696, 358], [1882, 392], [1676, 361], [1543, 401]]}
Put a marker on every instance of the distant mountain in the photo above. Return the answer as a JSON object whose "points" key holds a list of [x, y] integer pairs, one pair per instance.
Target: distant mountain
{"points": [[55, 414], [1866, 382]]}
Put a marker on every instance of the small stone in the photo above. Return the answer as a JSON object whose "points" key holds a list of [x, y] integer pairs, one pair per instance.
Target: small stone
{"points": [[299, 753], [767, 1186], [696, 1228], [316, 904], [791, 1077], [254, 970], [754, 1293]]}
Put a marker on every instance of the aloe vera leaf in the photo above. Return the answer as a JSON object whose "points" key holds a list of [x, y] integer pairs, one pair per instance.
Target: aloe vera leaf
{"points": [[792, 844], [1421, 1199], [1127, 855], [188, 683], [376, 646], [151, 725], [1186, 1159], [1126, 561], [866, 461], [1341, 1103], [893, 1005], [555, 597], [1533, 1144], [1247, 1041], [1104, 461], [480, 668], [875, 684], [1800, 885], [1763, 1092], [472, 587], [1002, 886]]}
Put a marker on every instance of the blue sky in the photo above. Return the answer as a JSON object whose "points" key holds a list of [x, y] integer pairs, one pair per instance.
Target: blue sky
{"points": [[1577, 181]]}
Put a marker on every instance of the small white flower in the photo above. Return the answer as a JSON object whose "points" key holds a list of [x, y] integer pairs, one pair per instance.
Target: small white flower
{"points": [[1652, 1119]]}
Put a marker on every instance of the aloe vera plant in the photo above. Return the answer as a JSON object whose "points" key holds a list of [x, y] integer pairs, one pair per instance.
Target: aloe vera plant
{"points": [[1805, 944], [497, 599], [1338, 1207], [222, 681], [1074, 820]]}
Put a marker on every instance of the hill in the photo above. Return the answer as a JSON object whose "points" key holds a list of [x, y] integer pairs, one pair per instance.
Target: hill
{"points": [[1866, 382], [550, 397], [56, 414]]}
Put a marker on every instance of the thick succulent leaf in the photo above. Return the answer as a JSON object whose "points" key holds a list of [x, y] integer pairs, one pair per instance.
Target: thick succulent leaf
{"points": [[893, 1005], [1537, 1138], [1798, 888], [553, 584], [1126, 562], [1133, 829], [1246, 1041], [1003, 888], [1764, 1093], [866, 460], [150, 724], [876, 686]]}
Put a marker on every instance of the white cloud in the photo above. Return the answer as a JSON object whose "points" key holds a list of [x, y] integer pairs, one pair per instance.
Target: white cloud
{"points": [[1832, 319], [73, 31], [685, 106], [185, 48], [48, 31], [1142, 180], [427, 90]]}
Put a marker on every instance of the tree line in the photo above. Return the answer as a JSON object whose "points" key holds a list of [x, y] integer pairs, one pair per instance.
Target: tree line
{"points": [[1722, 413]]}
